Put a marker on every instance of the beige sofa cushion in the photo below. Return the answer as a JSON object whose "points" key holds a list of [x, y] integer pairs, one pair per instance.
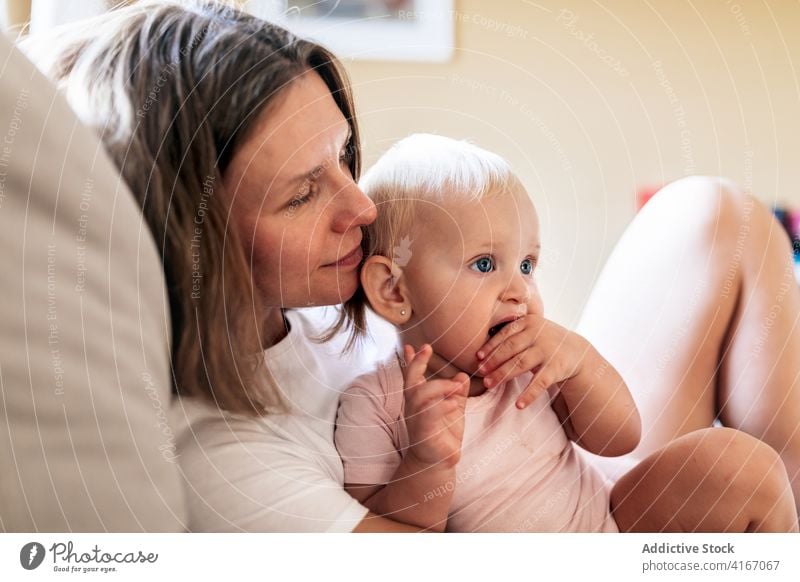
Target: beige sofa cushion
{"points": [[85, 442]]}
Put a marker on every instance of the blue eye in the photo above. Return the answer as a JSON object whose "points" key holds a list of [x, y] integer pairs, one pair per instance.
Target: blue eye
{"points": [[483, 265], [526, 267]]}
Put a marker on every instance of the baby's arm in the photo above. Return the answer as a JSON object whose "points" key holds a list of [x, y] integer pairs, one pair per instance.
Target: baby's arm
{"points": [[590, 397], [596, 408], [412, 488]]}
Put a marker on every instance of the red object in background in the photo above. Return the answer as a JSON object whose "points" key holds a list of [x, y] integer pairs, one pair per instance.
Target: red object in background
{"points": [[794, 224], [644, 194]]}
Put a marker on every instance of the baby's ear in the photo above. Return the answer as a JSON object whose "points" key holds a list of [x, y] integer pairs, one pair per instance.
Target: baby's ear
{"points": [[382, 283]]}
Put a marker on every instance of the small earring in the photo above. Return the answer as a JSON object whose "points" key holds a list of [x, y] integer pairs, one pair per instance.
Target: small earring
{"points": [[402, 312]]}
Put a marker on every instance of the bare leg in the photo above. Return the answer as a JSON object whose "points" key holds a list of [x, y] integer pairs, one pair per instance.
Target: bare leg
{"points": [[759, 382], [711, 480], [681, 311]]}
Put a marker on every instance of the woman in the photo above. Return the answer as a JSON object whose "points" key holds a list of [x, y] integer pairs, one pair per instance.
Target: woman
{"points": [[241, 145], [183, 98]]}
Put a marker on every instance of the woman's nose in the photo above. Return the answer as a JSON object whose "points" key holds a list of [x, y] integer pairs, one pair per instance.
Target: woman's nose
{"points": [[353, 208]]}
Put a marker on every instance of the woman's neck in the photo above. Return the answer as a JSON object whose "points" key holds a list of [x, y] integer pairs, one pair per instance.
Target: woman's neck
{"points": [[274, 328]]}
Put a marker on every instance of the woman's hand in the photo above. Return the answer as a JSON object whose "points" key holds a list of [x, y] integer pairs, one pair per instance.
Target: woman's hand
{"points": [[434, 411], [532, 344]]}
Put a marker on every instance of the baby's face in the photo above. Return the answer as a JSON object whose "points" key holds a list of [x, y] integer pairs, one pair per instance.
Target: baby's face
{"points": [[472, 269]]}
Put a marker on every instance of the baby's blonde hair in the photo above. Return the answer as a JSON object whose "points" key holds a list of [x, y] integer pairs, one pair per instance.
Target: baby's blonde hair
{"points": [[419, 170], [428, 169]]}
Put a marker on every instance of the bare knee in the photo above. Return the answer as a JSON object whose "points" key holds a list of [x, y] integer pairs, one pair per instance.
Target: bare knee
{"points": [[732, 462], [712, 205], [736, 450], [719, 218], [754, 478]]}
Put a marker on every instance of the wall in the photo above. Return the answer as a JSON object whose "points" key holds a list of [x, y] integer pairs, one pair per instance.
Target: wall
{"points": [[590, 100]]}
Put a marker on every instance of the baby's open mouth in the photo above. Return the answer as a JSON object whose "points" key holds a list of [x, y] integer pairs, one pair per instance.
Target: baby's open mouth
{"points": [[495, 329]]}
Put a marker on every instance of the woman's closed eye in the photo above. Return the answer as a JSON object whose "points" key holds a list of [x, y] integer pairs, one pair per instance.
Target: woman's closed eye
{"points": [[305, 194], [346, 155], [310, 187]]}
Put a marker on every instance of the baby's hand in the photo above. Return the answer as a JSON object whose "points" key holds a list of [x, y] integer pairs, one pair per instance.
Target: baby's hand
{"points": [[526, 344], [434, 411]]}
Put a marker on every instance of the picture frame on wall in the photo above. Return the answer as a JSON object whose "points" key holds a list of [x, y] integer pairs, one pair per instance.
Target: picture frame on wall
{"points": [[372, 30]]}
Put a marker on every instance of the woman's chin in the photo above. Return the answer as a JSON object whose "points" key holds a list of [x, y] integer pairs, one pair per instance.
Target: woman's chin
{"points": [[337, 292], [322, 291]]}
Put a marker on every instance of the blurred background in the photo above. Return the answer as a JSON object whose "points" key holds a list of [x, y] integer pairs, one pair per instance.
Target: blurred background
{"points": [[595, 103]]}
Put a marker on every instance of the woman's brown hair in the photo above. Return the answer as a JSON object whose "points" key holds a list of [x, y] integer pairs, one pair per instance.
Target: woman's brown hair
{"points": [[173, 89]]}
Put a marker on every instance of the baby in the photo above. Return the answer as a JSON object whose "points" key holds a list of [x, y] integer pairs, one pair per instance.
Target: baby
{"points": [[478, 428]]}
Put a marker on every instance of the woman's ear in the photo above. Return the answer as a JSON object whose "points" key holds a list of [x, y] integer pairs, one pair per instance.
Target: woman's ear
{"points": [[385, 289]]}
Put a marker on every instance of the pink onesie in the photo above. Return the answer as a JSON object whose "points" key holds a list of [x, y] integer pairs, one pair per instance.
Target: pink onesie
{"points": [[518, 470]]}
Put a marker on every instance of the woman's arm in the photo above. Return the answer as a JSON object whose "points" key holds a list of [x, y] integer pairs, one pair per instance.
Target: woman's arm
{"points": [[242, 476], [377, 524], [417, 495], [374, 523]]}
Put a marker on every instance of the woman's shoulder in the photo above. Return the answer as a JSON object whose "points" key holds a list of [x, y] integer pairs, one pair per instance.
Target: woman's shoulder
{"points": [[204, 432], [201, 419]]}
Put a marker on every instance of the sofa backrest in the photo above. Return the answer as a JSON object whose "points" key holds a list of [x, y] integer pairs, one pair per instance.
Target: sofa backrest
{"points": [[85, 439]]}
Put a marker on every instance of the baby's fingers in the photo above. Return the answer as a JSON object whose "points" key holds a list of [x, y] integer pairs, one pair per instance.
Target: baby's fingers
{"points": [[422, 396], [416, 364], [541, 381], [460, 385], [500, 337], [519, 364], [512, 346]]}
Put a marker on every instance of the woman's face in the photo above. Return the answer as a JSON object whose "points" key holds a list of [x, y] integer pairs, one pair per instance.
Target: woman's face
{"points": [[295, 203]]}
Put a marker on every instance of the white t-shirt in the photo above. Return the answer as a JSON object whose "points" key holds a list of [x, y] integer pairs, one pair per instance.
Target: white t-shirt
{"points": [[279, 473]]}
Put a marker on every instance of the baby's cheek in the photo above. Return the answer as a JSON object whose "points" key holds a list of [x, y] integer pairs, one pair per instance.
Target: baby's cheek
{"points": [[538, 308], [535, 302], [464, 339]]}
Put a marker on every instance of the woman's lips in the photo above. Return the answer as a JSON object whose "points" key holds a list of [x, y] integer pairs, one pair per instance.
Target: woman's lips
{"points": [[351, 259]]}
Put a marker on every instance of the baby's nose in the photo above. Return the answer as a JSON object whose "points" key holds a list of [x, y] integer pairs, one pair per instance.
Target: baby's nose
{"points": [[517, 291]]}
